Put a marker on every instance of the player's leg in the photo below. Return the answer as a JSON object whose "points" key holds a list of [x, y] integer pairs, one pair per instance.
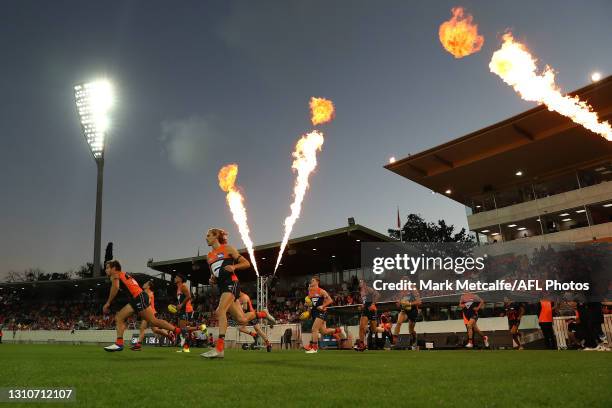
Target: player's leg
{"points": [[401, 318], [314, 340], [412, 331], [226, 301], [243, 329], [515, 335], [470, 334], [153, 320], [125, 312], [476, 329], [238, 314], [161, 332], [262, 314], [138, 345], [264, 337], [372, 332], [363, 325], [186, 342], [339, 333]]}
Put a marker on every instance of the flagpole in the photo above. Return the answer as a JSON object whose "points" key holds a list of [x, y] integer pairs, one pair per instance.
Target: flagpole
{"points": [[399, 225]]}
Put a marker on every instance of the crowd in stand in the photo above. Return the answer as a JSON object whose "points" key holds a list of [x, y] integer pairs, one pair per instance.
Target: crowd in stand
{"points": [[287, 304]]}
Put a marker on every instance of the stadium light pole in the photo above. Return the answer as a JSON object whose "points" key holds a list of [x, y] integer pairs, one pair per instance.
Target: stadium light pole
{"points": [[93, 102]]}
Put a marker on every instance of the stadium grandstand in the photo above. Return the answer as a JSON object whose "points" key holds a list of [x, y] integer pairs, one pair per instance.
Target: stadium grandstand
{"points": [[65, 304], [537, 176]]}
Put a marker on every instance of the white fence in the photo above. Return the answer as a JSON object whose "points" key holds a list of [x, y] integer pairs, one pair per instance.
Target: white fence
{"points": [[233, 336], [561, 332]]}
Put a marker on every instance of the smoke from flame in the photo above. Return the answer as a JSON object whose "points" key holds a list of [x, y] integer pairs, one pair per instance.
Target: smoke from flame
{"points": [[517, 67], [235, 200], [305, 161], [459, 35], [321, 110]]}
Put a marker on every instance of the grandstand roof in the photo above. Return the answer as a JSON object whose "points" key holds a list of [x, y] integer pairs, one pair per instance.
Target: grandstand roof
{"points": [[538, 142], [336, 249]]}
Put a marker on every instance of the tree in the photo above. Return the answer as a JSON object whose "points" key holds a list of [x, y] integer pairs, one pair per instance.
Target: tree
{"points": [[85, 271], [108, 254], [416, 229], [14, 276], [34, 274]]}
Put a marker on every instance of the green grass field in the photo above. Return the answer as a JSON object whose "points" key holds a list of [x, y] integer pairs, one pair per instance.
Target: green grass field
{"points": [[161, 377]]}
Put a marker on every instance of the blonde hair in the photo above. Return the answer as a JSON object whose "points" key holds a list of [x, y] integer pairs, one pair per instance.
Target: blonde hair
{"points": [[220, 234]]}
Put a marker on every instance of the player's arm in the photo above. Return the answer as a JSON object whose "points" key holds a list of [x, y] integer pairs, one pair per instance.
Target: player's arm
{"points": [[242, 262], [462, 302], [114, 289], [521, 311], [327, 300]]}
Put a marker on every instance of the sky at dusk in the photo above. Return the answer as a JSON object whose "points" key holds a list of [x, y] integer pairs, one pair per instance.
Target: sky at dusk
{"points": [[204, 83]]}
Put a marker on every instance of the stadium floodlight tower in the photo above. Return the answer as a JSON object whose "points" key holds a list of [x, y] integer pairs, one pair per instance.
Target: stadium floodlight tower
{"points": [[94, 101]]}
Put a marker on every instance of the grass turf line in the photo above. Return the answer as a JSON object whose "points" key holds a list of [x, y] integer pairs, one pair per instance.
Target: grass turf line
{"points": [[161, 377]]}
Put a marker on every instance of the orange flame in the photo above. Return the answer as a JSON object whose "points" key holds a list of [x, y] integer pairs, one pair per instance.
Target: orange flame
{"points": [[235, 200], [459, 35], [517, 67], [305, 161], [321, 110]]}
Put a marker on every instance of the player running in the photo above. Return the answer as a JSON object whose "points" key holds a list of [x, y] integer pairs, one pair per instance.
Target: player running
{"points": [[247, 307], [514, 313], [320, 300], [369, 315], [224, 260], [409, 304], [148, 288], [137, 302], [470, 304], [185, 310]]}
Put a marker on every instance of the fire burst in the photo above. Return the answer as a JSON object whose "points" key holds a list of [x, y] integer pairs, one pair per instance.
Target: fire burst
{"points": [[227, 182], [321, 110], [515, 65], [305, 161], [459, 35]]}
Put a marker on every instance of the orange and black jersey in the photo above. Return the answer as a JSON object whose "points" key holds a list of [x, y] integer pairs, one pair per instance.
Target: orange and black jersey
{"points": [[470, 300], [316, 296], [513, 310], [180, 297], [128, 284], [218, 259]]}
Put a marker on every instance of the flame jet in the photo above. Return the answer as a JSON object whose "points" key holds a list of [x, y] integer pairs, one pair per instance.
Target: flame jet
{"points": [[304, 163], [235, 200], [517, 67], [321, 111], [459, 35]]}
